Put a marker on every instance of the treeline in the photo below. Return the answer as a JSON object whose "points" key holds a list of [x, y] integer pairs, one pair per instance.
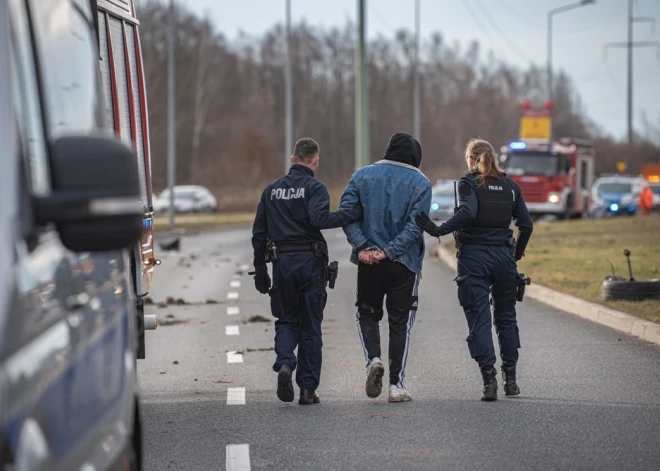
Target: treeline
{"points": [[230, 102]]}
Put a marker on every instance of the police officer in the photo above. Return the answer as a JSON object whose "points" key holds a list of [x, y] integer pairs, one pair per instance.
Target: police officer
{"points": [[488, 201], [290, 216]]}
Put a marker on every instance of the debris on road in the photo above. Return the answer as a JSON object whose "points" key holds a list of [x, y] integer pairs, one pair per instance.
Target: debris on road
{"points": [[256, 318], [212, 301], [175, 362], [263, 349]]}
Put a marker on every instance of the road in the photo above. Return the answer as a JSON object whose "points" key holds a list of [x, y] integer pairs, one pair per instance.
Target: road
{"points": [[590, 396]]}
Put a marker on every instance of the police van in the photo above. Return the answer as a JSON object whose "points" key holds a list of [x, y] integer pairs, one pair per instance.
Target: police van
{"points": [[69, 212]]}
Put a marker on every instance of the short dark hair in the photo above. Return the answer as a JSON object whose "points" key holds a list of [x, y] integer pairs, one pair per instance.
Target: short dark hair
{"points": [[306, 149]]}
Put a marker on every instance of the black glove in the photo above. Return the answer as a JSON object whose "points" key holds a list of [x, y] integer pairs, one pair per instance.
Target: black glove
{"points": [[425, 223], [262, 282], [356, 212]]}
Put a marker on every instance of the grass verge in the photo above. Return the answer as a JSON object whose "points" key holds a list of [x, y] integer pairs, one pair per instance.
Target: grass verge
{"points": [[202, 220], [571, 257]]}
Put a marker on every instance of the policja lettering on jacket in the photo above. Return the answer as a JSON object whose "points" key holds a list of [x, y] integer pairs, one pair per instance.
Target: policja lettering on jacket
{"points": [[287, 193]]}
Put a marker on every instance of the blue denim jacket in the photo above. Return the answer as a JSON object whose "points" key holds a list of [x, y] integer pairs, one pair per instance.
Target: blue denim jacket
{"points": [[391, 194]]}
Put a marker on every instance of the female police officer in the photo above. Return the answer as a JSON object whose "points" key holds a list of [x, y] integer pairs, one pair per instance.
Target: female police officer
{"points": [[488, 201]]}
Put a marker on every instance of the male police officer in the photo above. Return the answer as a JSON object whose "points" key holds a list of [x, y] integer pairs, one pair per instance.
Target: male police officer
{"points": [[288, 224], [489, 200]]}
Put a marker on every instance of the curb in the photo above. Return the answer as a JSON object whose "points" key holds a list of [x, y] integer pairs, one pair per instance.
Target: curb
{"points": [[645, 330]]}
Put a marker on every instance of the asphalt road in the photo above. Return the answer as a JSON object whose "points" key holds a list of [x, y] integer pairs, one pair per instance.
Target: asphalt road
{"points": [[590, 396]]}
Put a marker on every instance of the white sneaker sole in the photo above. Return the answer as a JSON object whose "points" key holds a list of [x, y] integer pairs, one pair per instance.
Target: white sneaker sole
{"points": [[374, 385], [402, 398]]}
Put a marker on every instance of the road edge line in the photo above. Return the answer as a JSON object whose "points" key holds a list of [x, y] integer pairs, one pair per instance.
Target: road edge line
{"points": [[617, 320]]}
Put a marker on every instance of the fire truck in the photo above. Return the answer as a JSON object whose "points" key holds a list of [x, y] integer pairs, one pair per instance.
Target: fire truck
{"points": [[554, 175], [122, 76]]}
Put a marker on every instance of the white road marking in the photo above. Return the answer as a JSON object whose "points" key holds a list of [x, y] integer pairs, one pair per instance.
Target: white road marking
{"points": [[231, 330], [245, 267], [233, 357], [238, 457], [232, 295], [235, 396], [233, 310], [235, 284]]}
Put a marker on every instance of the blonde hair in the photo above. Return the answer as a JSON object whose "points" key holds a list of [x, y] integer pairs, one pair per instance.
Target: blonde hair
{"points": [[482, 154]]}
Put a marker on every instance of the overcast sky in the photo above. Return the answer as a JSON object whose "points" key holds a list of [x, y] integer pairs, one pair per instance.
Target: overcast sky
{"points": [[514, 29]]}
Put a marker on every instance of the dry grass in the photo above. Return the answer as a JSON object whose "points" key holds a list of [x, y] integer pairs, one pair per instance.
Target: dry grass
{"points": [[572, 257]]}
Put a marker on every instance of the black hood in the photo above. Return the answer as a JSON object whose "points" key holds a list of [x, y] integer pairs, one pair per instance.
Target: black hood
{"points": [[405, 149]]}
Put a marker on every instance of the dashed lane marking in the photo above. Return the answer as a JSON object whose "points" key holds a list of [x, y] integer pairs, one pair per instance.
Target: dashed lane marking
{"points": [[234, 357], [238, 457], [233, 310], [235, 396], [231, 330], [235, 284], [232, 295]]}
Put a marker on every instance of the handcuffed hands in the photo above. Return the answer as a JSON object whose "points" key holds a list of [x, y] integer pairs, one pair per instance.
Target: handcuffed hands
{"points": [[424, 222], [370, 256]]}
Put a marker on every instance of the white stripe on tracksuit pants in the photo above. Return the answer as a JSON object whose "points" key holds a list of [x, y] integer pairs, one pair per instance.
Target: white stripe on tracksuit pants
{"points": [[395, 284]]}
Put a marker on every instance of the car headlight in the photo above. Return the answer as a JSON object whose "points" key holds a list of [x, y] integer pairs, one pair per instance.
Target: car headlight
{"points": [[614, 207], [554, 198], [435, 206]]}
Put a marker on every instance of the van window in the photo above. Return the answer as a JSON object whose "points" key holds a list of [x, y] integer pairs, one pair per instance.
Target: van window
{"points": [[67, 51]]}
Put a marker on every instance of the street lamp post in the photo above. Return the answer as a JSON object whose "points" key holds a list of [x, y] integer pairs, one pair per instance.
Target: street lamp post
{"points": [[551, 13]]}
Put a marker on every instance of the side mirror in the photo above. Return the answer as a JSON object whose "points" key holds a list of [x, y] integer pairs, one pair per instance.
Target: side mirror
{"points": [[95, 201]]}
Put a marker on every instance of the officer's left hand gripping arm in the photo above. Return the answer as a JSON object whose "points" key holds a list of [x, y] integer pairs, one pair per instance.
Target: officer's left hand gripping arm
{"points": [[467, 209], [320, 215], [260, 237], [411, 231], [524, 223], [349, 199]]}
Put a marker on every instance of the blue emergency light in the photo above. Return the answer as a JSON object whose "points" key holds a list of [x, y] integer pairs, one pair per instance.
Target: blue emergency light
{"points": [[517, 145], [435, 206]]}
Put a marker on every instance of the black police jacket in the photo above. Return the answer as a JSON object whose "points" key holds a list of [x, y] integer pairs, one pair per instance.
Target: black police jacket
{"points": [[485, 213], [295, 208]]}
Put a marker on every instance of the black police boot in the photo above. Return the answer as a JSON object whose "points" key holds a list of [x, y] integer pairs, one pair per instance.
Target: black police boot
{"points": [[490, 385], [285, 391], [509, 379], [308, 397]]}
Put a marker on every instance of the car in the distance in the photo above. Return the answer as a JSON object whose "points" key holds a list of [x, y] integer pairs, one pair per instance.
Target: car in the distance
{"points": [[655, 188], [615, 195], [442, 200], [187, 199]]}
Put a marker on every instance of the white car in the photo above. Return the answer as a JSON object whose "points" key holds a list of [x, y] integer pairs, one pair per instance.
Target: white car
{"points": [[655, 188], [187, 199]]}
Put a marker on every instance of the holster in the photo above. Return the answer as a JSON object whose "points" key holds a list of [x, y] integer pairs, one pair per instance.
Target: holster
{"points": [[331, 271], [523, 281]]}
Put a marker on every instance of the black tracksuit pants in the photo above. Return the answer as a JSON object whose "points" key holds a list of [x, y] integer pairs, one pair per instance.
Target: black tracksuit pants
{"points": [[395, 283]]}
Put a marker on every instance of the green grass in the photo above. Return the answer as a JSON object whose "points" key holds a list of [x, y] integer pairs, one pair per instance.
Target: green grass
{"points": [[572, 257], [202, 220]]}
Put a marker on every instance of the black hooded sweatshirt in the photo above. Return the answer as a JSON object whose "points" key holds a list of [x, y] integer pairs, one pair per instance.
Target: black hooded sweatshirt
{"points": [[405, 149]]}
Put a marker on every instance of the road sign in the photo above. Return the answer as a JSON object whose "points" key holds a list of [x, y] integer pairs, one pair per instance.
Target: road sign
{"points": [[621, 167], [535, 127]]}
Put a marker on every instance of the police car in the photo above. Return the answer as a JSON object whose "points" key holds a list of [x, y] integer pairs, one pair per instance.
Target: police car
{"points": [[442, 200], [613, 195], [69, 209]]}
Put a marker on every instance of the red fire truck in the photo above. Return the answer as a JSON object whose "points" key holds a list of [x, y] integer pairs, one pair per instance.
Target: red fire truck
{"points": [[555, 176], [123, 80]]}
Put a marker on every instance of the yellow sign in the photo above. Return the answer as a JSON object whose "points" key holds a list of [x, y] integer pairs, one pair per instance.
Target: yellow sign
{"points": [[621, 167], [535, 127]]}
